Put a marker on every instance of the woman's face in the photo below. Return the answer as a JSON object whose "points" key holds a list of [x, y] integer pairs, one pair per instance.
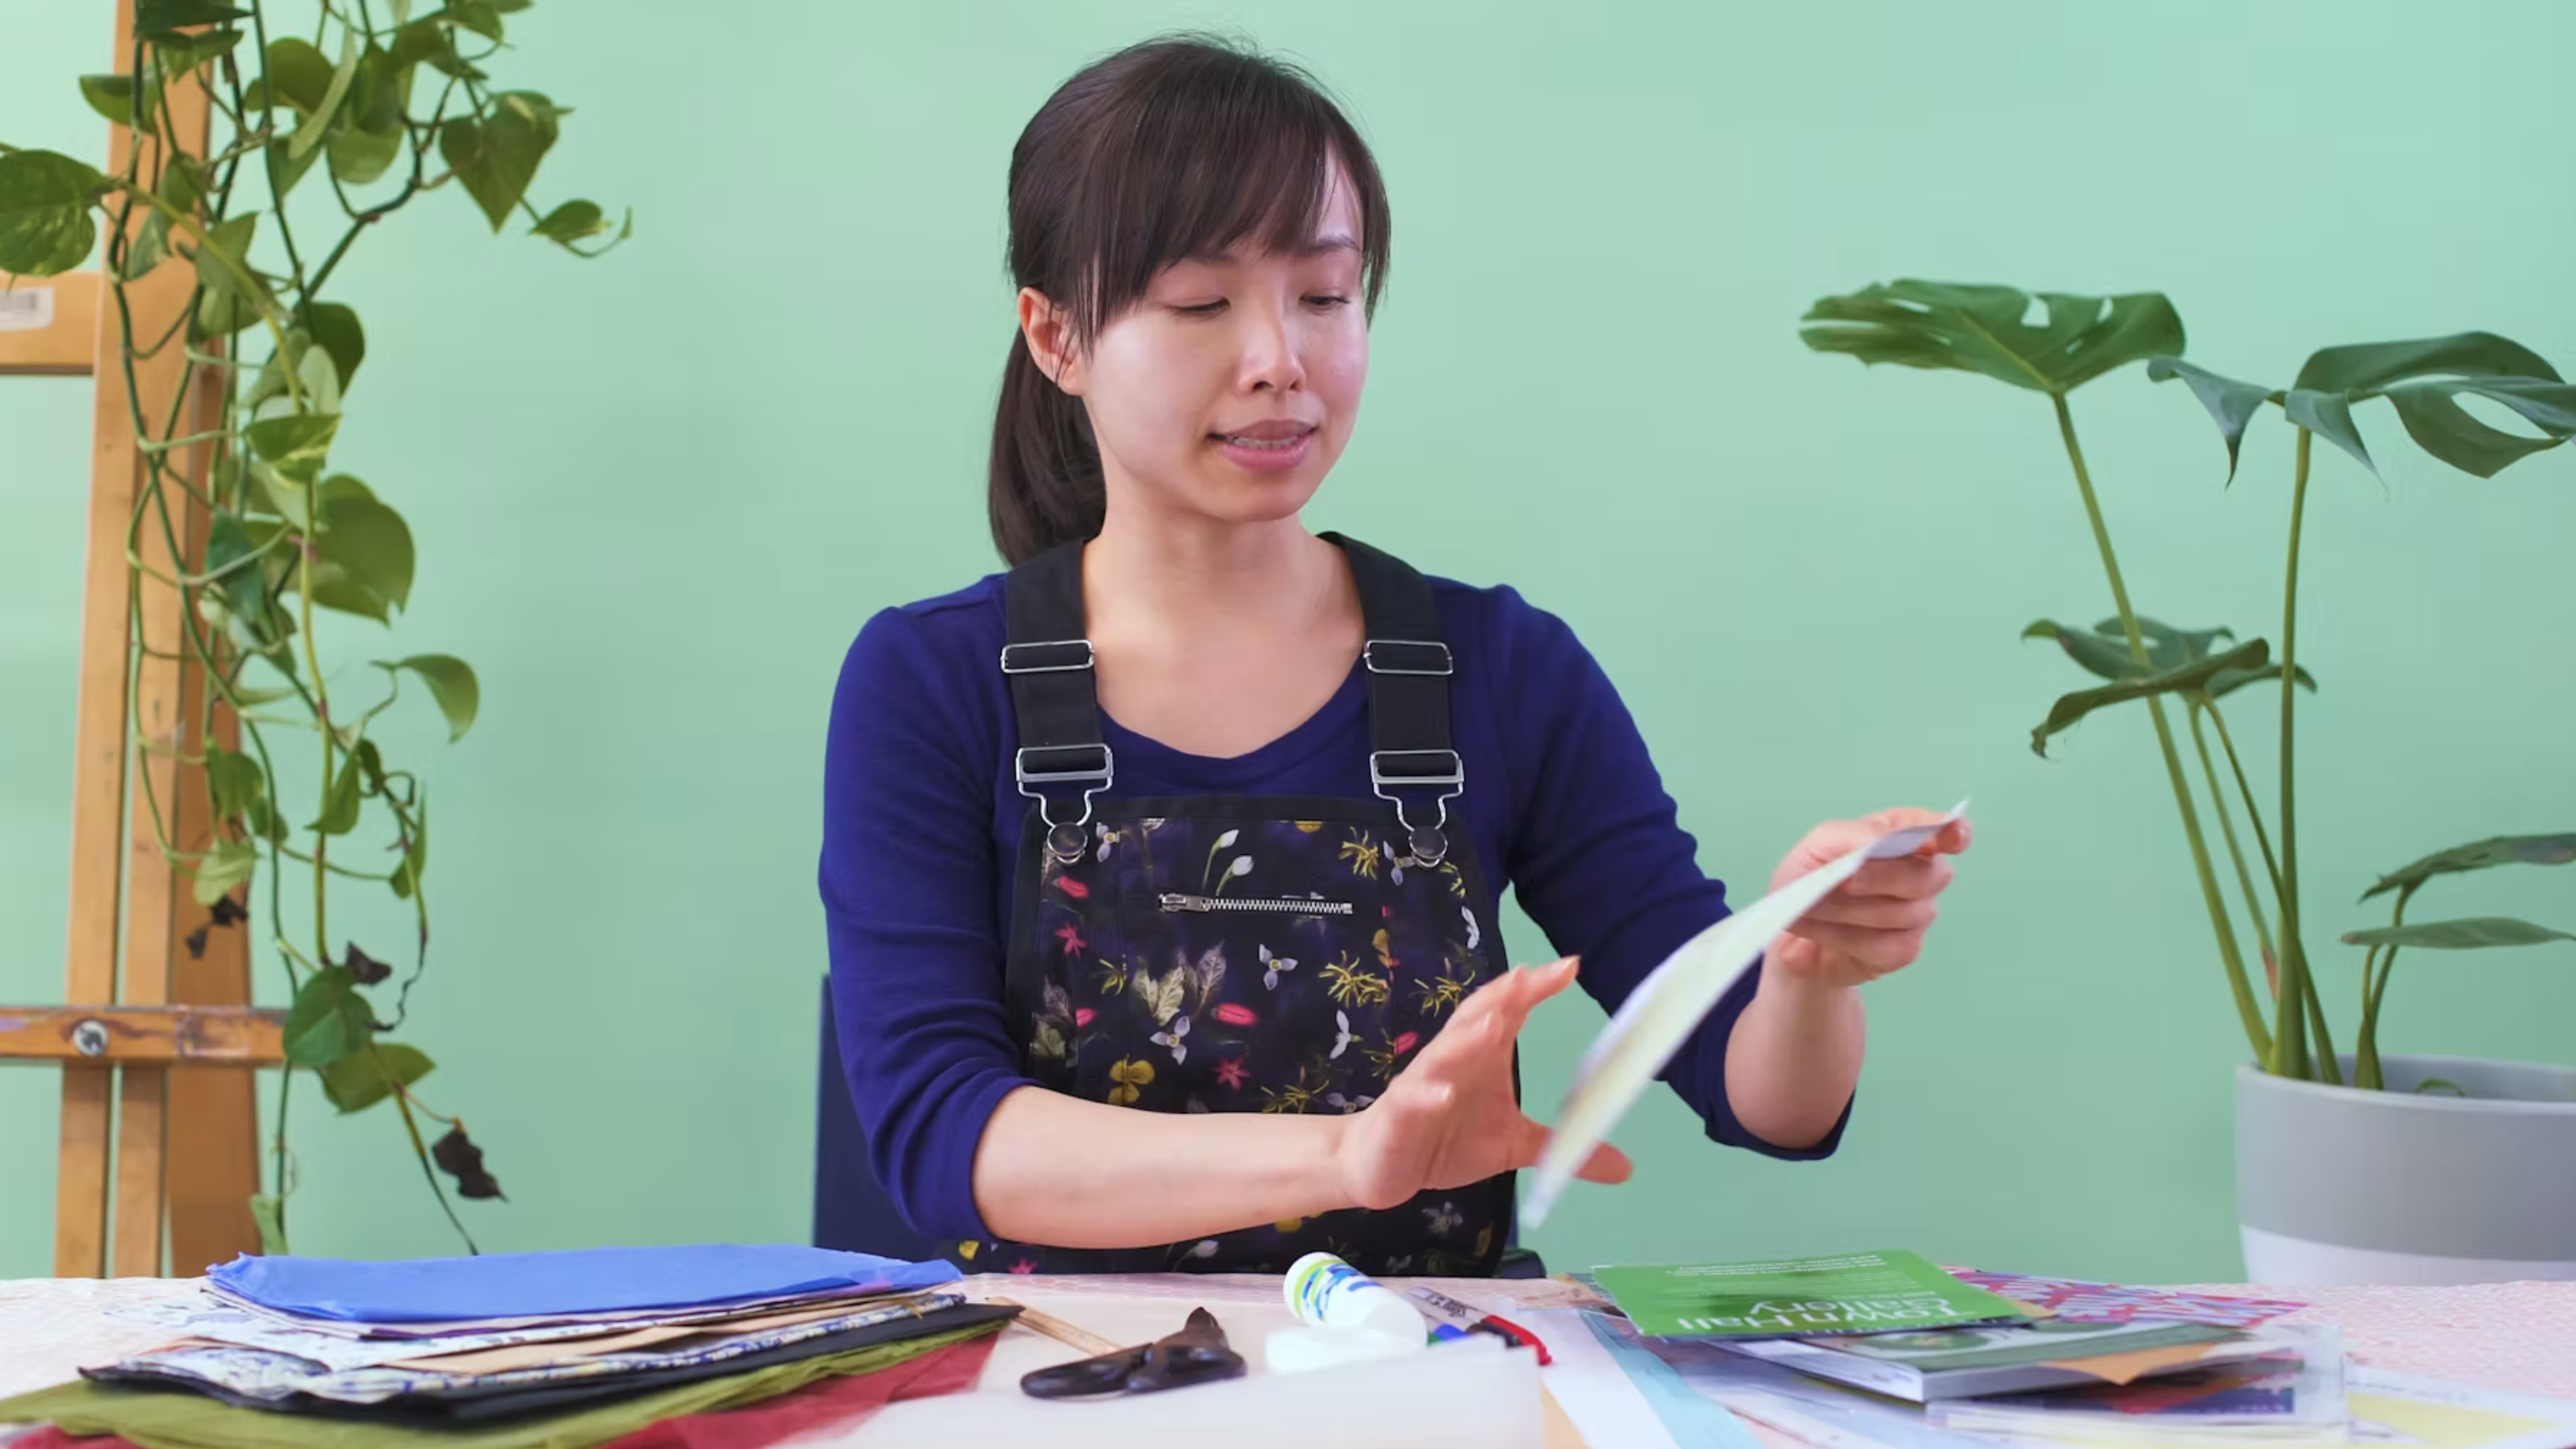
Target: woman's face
{"points": [[1229, 391]]}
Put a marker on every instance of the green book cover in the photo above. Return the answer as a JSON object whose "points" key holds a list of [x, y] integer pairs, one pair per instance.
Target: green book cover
{"points": [[1800, 1297]]}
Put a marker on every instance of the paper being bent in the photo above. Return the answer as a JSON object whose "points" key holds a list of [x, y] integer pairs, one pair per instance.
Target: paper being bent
{"points": [[1670, 1003]]}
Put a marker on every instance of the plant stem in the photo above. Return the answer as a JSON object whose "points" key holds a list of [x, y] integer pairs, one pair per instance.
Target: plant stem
{"points": [[285, 1095], [420, 1149], [2245, 792], [2210, 895], [2227, 831], [322, 715], [2290, 1048], [2365, 1052]]}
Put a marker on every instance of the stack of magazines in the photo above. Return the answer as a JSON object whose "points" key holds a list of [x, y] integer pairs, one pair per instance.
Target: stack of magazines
{"points": [[1885, 1349]]}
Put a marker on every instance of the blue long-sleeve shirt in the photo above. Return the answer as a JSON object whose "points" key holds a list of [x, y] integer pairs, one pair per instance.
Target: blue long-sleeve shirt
{"points": [[921, 825]]}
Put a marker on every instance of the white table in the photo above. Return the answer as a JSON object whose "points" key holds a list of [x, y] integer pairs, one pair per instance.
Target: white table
{"points": [[2519, 1336]]}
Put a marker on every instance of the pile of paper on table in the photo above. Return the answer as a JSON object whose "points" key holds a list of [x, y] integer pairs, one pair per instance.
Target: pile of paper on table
{"points": [[575, 1347], [1883, 1348]]}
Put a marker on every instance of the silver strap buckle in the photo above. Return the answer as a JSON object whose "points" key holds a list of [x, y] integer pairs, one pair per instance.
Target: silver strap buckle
{"points": [[1064, 837], [1048, 656], [1407, 656], [1429, 844]]}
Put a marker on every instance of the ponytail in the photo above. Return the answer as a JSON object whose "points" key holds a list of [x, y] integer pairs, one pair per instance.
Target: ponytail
{"points": [[1045, 485]]}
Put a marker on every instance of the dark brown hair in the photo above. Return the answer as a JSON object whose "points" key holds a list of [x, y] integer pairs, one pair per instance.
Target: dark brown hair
{"points": [[1183, 146]]}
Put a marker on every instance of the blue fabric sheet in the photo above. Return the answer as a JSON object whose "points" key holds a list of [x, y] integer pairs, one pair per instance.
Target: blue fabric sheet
{"points": [[588, 1280]]}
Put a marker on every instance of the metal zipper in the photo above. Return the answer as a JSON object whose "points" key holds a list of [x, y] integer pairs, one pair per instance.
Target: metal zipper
{"points": [[1289, 906]]}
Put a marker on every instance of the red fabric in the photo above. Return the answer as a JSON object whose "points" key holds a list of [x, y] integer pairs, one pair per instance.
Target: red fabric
{"points": [[839, 1403]]}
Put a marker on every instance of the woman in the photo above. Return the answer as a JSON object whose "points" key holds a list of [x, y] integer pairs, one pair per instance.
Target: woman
{"points": [[1161, 871]]}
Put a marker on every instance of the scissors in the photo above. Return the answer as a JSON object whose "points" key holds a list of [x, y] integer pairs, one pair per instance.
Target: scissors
{"points": [[1198, 1353]]}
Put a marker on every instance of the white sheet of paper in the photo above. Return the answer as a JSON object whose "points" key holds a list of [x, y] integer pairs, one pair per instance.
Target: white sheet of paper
{"points": [[1669, 1004]]}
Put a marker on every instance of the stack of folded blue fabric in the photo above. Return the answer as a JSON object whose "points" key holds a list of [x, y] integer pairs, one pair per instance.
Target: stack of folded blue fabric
{"points": [[463, 1342]]}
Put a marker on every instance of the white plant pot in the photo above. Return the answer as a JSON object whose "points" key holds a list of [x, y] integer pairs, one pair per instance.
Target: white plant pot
{"points": [[2335, 1185]]}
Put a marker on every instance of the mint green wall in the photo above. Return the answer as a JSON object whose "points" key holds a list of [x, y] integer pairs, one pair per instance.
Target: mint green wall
{"points": [[655, 496]]}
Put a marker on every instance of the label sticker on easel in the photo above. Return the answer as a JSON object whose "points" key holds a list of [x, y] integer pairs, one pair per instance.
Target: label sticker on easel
{"points": [[26, 309]]}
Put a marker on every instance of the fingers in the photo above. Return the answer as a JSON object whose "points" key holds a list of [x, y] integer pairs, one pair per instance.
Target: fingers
{"points": [[1479, 1036], [1952, 839], [1878, 913], [1606, 1164], [1510, 996], [1911, 878], [1877, 951]]}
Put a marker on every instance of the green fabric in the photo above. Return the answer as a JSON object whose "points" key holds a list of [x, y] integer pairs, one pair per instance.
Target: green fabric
{"points": [[160, 1419]]}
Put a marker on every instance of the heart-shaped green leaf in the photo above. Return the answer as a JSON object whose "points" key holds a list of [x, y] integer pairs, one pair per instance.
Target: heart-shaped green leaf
{"points": [[286, 165], [178, 53], [336, 328], [45, 225], [224, 867], [496, 156], [295, 446], [318, 123], [480, 16], [357, 1081], [359, 157], [571, 222], [329, 1019], [111, 96], [151, 247], [2191, 678], [451, 682], [2481, 855], [2232, 404], [234, 781], [229, 542], [362, 556], [223, 259], [2469, 934], [340, 807], [427, 39], [299, 74], [1980, 329]]}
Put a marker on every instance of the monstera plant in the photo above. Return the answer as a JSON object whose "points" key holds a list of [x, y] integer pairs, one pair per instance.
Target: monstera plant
{"points": [[318, 138], [2052, 344]]}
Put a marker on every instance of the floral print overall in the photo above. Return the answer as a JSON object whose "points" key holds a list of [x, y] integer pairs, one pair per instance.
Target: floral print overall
{"points": [[1246, 954]]}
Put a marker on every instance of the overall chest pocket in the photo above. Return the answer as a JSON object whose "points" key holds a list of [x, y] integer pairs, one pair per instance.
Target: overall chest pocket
{"points": [[1229, 961]]}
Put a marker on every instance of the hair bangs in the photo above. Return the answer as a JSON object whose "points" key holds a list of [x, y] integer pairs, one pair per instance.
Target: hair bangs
{"points": [[1225, 153]]}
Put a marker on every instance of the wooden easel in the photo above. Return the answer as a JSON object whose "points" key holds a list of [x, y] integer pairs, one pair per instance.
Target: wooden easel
{"points": [[159, 1122]]}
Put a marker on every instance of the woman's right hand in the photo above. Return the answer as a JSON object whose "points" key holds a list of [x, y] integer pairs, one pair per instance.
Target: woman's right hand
{"points": [[1450, 1118]]}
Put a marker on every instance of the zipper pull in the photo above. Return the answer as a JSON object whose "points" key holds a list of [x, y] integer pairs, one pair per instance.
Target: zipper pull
{"points": [[1186, 903]]}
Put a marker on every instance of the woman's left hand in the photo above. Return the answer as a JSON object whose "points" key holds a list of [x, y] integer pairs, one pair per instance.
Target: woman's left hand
{"points": [[1873, 923]]}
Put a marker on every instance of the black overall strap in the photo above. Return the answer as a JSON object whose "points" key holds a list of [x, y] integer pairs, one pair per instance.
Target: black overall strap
{"points": [[1412, 759], [1049, 661]]}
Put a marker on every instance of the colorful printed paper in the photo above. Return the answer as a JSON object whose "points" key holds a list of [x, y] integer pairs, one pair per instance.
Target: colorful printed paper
{"points": [[2076, 1301]]}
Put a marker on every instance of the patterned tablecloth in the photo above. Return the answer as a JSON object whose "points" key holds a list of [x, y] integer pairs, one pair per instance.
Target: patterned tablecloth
{"points": [[2515, 1336]]}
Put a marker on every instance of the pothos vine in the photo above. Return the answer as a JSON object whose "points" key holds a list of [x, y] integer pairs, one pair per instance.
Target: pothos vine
{"points": [[284, 535]]}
